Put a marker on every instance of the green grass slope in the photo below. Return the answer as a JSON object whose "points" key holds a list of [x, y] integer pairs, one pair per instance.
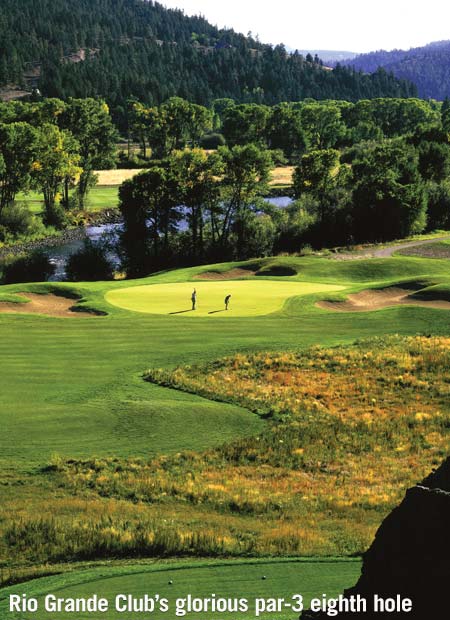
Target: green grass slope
{"points": [[241, 579], [248, 298], [75, 386]]}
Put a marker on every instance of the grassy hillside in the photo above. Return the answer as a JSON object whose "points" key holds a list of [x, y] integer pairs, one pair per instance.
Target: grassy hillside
{"points": [[73, 392]]}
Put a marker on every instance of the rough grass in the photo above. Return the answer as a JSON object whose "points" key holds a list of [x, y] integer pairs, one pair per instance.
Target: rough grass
{"points": [[282, 176], [115, 177], [344, 438], [431, 250]]}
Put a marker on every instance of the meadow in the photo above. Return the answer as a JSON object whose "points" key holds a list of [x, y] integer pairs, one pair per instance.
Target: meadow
{"points": [[105, 194], [98, 464]]}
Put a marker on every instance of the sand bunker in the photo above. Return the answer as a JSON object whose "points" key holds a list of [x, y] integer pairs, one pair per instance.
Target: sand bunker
{"points": [[376, 299], [49, 304], [233, 274]]}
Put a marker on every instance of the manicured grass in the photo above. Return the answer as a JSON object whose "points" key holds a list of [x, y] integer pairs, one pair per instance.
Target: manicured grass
{"points": [[75, 386], [99, 198], [242, 579], [249, 298]]}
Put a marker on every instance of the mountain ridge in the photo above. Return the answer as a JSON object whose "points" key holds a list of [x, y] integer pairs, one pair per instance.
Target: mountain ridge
{"points": [[122, 49], [428, 66]]}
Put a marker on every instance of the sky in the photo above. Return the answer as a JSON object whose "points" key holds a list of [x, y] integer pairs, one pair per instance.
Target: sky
{"points": [[350, 25]]}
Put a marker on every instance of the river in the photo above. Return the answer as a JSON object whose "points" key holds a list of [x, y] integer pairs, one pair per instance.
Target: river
{"points": [[59, 254]]}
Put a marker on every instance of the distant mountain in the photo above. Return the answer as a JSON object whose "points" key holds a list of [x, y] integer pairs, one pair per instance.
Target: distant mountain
{"points": [[427, 67], [329, 56]]}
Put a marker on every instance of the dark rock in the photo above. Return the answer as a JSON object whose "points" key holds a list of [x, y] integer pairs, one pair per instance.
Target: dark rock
{"points": [[410, 555]]}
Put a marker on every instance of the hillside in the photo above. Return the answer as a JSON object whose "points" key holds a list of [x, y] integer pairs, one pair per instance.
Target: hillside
{"points": [[427, 67], [330, 56], [119, 49]]}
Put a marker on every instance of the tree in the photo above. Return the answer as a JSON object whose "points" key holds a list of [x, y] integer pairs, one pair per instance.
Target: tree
{"points": [[18, 143], [219, 107], [396, 117], [90, 123], [55, 163], [183, 122], [245, 124], [244, 181], [434, 161], [438, 198], [34, 267], [295, 222], [320, 184], [314, 174], [284, 131], [90, 263], [148, 203], [138, 119], [198, 187], [322, 124], [388, 200]]}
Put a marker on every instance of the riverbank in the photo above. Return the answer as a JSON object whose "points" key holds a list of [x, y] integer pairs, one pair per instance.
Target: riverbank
{"points": [[68, 235]]}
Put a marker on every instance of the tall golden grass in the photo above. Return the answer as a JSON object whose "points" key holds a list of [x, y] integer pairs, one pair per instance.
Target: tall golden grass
{"points": [[348, 430]]}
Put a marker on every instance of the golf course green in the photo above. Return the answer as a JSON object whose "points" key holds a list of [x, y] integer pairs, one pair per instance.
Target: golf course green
{"points": [[74, 389], [248, 298], [249, 579], [76, 385]]}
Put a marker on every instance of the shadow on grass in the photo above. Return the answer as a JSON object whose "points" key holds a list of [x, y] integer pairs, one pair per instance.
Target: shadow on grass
{"points": [[182, 311], [216, 311]]}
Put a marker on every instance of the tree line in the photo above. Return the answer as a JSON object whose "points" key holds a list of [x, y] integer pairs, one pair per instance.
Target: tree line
{"points": [[291, 128], [51, 147], [367, 171], [141, 49], [377, 189], [218, 197]]}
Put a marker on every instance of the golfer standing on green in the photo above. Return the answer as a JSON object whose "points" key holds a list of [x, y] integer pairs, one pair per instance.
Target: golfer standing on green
{"points": [[194, 298], [227, 301]]}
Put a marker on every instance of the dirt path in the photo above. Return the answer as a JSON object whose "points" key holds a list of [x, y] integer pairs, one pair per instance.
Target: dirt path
{"points": [[51, 305], [388, 251]]}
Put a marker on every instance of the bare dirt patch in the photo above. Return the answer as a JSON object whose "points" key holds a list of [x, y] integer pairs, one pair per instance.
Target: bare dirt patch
{"points": [[376, 299], [232, 274], [49, 304]]}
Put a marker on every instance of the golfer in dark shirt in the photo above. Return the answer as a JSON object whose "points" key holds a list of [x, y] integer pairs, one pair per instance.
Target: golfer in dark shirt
{"points": [[227, 301]]}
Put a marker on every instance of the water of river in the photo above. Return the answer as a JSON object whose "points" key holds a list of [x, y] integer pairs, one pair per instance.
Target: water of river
{"points": [[60, 253]]}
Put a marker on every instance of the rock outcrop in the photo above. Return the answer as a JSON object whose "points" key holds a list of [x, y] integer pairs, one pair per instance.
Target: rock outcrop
{"points": [[410, 556]]}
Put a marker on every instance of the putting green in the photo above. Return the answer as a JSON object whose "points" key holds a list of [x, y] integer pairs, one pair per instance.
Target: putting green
{"points": [[248, 297]]}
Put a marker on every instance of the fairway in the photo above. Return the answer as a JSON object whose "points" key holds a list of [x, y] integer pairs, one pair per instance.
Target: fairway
{"points": [[248, 297], [241, 579], [73, 391]]}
